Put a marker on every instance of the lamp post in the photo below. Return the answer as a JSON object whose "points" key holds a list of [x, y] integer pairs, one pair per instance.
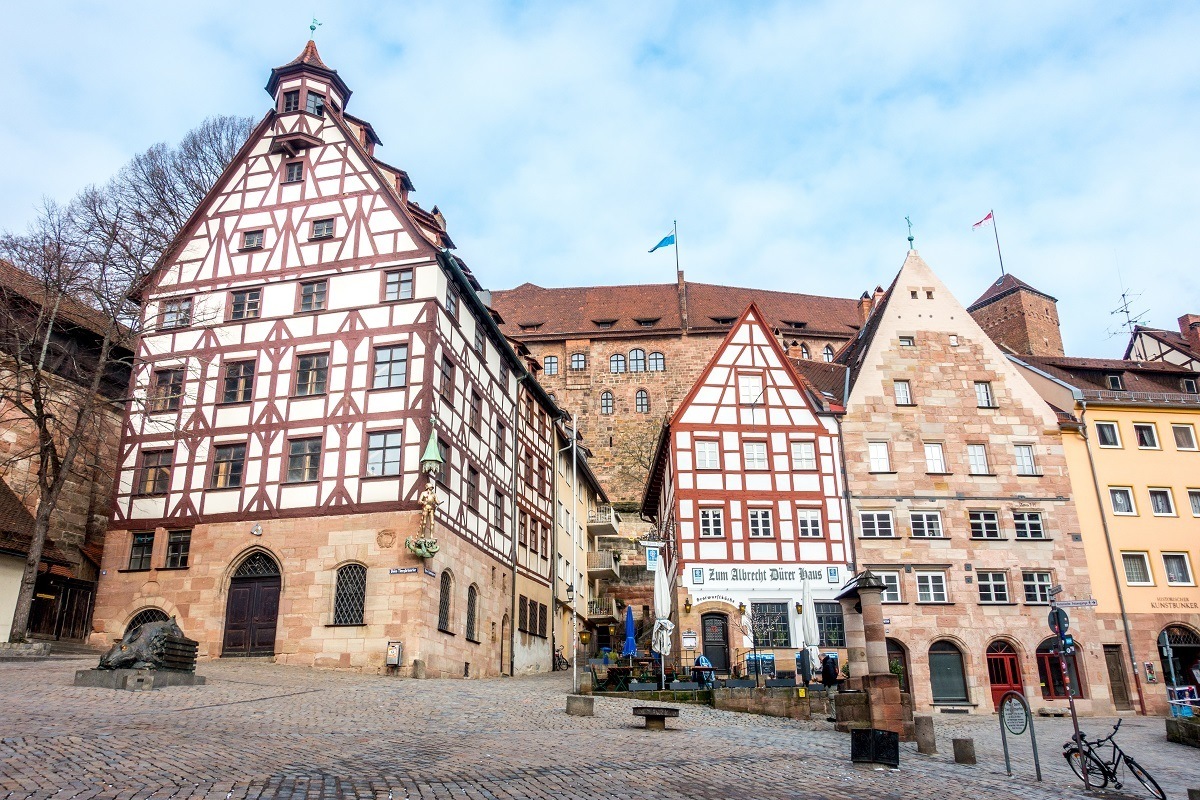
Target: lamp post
{"points": [[574, 637], [425, 546]]}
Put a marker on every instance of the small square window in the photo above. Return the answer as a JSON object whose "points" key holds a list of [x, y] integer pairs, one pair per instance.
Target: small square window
{"points": [[245, 304], [1162, 504], [166, 393], [578, 362], [984, 524], [229, 465], [756, 455], [993, 587], [983, 395], [549, 365], [1029, 525], [1147, 435], [903, 393], [304, 460], [291, 101], [750, 388], [238, 386], [804, 455], [312, 296], [398, 285], [891, 587], [383, 453], [926, 524], [177, 314], [1037, 586], [312, 373], [908, 341], [1107, 434], [1178, 569], [1122, 500], [391, 367], [931, 587], [875, 524], [1185, 437], [322, 229], [315, 104], [252, 240], [293, 172], [707, 455], [1137, 569]]}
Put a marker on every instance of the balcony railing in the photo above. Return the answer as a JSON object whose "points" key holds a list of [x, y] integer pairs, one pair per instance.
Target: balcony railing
{"points": [[604, 521], [601, 565], [603, 609], [1142, 398]]}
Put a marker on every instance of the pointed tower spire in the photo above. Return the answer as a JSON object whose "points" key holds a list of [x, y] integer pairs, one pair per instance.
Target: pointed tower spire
{"points": [[308, 73]]}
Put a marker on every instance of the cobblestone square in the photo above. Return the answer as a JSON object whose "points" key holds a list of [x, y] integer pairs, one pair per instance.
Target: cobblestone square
{"points": [[259, 730]]}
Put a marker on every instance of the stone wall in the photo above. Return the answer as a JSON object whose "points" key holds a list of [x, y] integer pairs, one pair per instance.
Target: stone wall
{"points": [[1024, 322], [770, 702]]}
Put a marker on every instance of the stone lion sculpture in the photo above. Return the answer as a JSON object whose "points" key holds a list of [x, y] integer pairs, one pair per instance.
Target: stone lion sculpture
{"points": [[143, 647]]}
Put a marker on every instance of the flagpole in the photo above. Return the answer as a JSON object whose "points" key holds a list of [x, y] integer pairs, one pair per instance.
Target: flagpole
{"points": [[675, 233], [996, 231]]}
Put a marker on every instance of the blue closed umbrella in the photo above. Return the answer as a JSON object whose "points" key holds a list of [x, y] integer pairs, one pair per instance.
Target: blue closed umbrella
{"points": [[630, 648]]}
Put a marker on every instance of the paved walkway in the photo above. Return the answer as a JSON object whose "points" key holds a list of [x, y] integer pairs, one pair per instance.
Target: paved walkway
{"points": [[260, 730]]}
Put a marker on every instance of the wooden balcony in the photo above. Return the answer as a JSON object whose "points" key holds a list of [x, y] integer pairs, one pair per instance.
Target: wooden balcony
{"points": [[602, 611], [604, 521], [602, 565]]}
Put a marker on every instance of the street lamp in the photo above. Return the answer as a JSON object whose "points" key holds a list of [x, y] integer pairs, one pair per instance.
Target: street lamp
{"points": [[425, 546]]}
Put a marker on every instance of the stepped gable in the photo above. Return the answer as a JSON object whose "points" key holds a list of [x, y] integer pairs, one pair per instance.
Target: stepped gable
{"points": [[1005, 285]]}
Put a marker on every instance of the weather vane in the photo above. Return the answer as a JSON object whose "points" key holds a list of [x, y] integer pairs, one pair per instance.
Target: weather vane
{"points": [[910, 236], [313, 28]]}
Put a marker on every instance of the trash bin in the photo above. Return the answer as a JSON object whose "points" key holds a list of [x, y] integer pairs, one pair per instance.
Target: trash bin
{"points": [[873, 746]]}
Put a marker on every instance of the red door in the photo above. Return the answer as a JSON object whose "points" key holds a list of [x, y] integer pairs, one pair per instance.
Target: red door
{"points": [[1004, 671]]}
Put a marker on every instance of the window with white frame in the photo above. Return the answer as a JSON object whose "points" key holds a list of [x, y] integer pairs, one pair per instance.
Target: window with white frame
{"points": [[1147, 435], [875, 524], [1194, 500], [827, 353], [903, 393], [1115, 382], [550, 365], [1122, 500], [1185, 437], [984, 524], [931, 587], [1025, 463], [1178, 569], [760, 523], [891, 587], [750, 388], [935, 458], [926, 524], [977, 459], [708, 454], [908, 341], [1137, 569], [578, 362], [993, 586], [1162, 503], [1037, 586], [712, 522], [1029, 525], [878, 452], [755, 454], [808, 523], [983, 395], [804, 455], [1108, 434]]}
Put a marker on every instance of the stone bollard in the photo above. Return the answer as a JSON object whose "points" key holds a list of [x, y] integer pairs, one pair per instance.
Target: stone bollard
{"points": [[926, 741], [581, 706], [964, 751], [418, 668]]}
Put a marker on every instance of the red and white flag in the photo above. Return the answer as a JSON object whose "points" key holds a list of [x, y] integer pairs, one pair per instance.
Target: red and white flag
{"points": [[985, 219]]}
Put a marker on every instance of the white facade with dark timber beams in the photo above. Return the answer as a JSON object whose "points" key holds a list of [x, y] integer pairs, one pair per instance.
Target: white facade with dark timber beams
{"points": [[306, 335]]}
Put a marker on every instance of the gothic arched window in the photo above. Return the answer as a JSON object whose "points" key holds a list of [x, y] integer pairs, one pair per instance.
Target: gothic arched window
{"points": [[447, 594], [472, 613], [827, 353]]}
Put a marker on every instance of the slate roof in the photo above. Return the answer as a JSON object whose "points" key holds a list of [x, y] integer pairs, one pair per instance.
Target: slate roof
{"points": [[1005, 285]]}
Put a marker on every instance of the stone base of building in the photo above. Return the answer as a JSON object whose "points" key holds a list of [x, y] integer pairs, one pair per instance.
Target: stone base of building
{"points": [[136, 679], [24, 650], [875, 701]]}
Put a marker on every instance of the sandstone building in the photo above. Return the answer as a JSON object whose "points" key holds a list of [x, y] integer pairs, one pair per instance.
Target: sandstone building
{"points": [[1019, 318]]}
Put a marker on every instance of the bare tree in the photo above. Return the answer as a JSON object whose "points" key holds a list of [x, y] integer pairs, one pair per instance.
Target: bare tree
{"points": [[67, 320], [633, 448]]}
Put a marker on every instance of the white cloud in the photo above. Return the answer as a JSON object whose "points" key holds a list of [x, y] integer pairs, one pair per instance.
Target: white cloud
{"points": [[790, 141]]}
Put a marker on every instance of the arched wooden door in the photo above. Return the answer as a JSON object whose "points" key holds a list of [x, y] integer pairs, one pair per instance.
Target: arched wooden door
{"points": [[716, 640], [1004, 670], [252, 612]]}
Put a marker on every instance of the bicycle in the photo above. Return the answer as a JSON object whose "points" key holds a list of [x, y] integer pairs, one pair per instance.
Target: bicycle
{"points": [[560, 661], [1101, 770]]}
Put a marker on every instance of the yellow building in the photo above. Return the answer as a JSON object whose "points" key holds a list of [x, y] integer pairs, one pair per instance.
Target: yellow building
{"points": [[1134, 460]]}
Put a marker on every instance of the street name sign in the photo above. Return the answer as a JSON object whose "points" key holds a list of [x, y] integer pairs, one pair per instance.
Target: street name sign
{"points": [[1076, 603]]}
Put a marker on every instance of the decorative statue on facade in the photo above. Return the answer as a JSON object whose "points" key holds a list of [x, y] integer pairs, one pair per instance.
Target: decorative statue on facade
{"points": [[144, 647], [425, 546]]}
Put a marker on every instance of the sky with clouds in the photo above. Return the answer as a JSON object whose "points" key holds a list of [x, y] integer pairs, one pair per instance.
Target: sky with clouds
{"points": [[790, 140]]}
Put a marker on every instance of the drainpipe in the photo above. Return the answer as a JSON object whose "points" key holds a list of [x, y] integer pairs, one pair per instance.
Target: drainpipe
{"points": [[1112, 559], [553, 539], [512, 615], [846, 509]]}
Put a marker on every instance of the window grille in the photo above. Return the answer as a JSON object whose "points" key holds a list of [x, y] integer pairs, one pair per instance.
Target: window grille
{"points": [[642, 401], [239, 382], [179, 544], [616, 363], [143, 547], [444, 602], [550, 363], [391, 367], [351, 595], [472, 602], [257, 565], [144, 617], [398, 285], [606, 403], [637, 360]]}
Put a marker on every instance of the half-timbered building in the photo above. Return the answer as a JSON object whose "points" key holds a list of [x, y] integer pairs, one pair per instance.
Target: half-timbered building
{"points": [[308, 340], [746, 493]]}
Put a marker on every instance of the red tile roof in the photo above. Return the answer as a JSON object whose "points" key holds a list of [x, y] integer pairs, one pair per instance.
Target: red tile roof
{"points": [[1091, 373], [1005, 285], [16, 530], [532, 312], [1172, 339], [309, 56], [21, 283]]}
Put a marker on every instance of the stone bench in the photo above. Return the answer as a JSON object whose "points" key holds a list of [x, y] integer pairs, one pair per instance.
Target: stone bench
{"points": [[656, 716]]}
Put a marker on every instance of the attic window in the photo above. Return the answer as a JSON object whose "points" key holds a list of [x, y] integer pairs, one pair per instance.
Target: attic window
{"points": [[1115, 383], [291, 101], [929, 294], [722, 320], [907, 341], [316, 104], [648, 323], [795, 323], [913, 294], [530, 326], [1189, 385], [604, 324]]}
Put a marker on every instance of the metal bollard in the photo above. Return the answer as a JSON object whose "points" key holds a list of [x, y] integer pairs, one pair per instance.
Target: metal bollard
{"points": [[964, 751], [926, 740]]}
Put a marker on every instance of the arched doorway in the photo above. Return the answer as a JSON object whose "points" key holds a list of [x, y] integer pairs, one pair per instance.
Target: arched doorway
{"points": [[716, 640], [1183, 644], [947, 677], [1004, 670], [253, 608], [898, 663], [1054, 685]]}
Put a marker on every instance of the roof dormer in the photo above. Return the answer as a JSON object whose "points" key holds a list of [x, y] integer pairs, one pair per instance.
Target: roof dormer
{"points": [[306, 85]]}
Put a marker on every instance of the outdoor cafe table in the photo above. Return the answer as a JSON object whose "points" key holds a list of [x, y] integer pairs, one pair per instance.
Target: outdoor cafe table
{"points": [[621, 675]]}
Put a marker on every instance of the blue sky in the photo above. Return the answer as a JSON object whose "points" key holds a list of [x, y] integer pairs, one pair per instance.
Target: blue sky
{"points": [[789, 140]]}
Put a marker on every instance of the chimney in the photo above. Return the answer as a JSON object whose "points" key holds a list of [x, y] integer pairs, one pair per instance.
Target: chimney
{"points": [[681, 290], [864, 308], [1189, 328]]}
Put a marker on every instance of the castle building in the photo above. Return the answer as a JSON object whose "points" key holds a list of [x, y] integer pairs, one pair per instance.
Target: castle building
{"points": [[746, 491], [962, 504], [319, 391], [619, 358], [1129, 431], [1019, 318]]}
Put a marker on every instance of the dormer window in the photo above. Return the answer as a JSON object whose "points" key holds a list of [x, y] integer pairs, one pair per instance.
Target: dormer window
{"points": [[530, 326], [316, 104], [648, 323], [722, 320], [1115, 383], [795, 324], [291, 101], [604, 324], [252, 240], [1189, 385], [294, 172]]}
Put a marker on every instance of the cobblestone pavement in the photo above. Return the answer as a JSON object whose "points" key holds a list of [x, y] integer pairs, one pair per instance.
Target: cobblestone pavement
{"points": [[264, 731]]}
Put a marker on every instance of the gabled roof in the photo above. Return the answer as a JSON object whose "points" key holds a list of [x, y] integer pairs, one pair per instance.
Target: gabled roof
{"points": [[1172, 339], [1005, 285], [851, 356]]}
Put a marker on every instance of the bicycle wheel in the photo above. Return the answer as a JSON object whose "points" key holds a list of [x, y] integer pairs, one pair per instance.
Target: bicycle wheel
{"points": [[1097, 775], [1139, 772]]}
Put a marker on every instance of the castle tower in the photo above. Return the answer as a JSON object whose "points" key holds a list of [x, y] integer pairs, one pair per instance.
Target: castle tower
{"points": [[1018, 317]]}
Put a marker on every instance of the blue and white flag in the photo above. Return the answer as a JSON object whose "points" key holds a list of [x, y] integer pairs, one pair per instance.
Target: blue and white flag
{"points": [[667, 241]]}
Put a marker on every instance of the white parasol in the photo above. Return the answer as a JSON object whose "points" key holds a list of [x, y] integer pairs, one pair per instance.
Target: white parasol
{"points": [[660, 638], [809, 630]]}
